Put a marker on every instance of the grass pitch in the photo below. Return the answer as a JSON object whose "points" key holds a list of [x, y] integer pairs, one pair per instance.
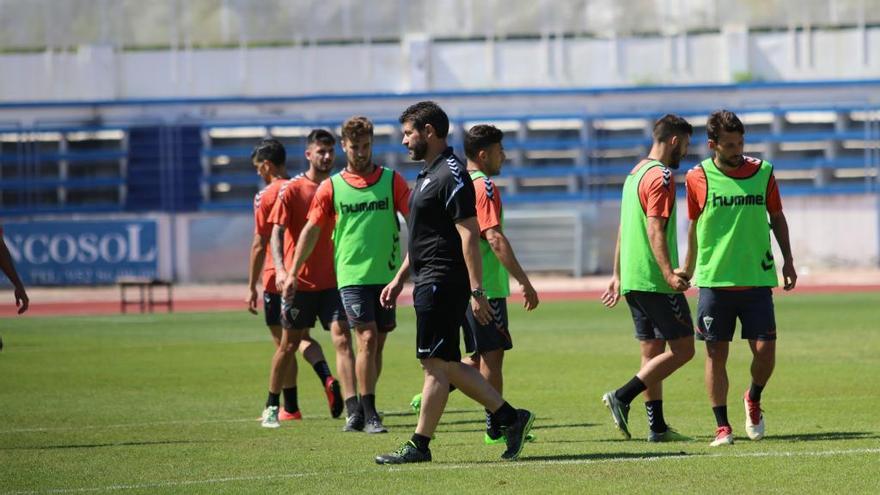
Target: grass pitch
{"points": [[167, 404]]}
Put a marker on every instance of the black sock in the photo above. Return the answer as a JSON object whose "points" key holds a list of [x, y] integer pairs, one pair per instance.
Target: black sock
{"points": [[630, 391], [505, 415], [323, 371], [755, 392], [368, 405], [273, 400], [654, 409], [420, 441], [721, 415], [352, 406], [291, 404], [492, 428]]}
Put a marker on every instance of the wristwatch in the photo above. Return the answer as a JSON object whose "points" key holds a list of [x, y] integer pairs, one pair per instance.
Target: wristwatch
{"points": [[478, 293]]}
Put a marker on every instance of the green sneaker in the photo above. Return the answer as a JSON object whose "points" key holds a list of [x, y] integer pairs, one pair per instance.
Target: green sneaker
{"points": [[619, 413], [670, 435], [416, 403], [502, 439]]}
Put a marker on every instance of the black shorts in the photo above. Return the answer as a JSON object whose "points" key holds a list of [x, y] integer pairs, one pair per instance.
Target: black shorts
{"points": [[307, 307], [491, 337], [272, 309], [439, 312], [718, 310], [362, 306], [660, 316]]}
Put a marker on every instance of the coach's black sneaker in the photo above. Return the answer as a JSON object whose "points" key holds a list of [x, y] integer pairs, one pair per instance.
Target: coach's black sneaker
{"points": [[517, 433], [355, 422], [406, 454], [374, 425]]}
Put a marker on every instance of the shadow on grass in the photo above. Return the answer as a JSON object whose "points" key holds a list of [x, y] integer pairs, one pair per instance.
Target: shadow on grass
{"points": [[603, 457], [536, 427], [594, 457], [114, 444], [482, 422], [394, 414], [824, 436]]}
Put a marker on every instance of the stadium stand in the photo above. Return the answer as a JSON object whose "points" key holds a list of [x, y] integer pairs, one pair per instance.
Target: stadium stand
{"points": [[576, 156], [138, 118]]}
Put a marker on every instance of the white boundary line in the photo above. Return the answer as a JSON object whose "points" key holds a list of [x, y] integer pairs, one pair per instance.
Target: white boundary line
{"points": [[443, 467]]}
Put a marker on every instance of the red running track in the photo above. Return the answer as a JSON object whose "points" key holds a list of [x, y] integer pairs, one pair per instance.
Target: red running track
{"points": [[73, 308]]}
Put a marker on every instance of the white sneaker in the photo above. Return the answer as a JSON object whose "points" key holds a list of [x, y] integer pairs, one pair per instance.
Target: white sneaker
{"points": [[270, 417], [723, 436], [754, 418]]}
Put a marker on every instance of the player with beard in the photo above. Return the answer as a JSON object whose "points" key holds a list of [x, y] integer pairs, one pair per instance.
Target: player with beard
{"points": [[444, 251], [269, 159], [730, 199], [360, 206], [646, 274], [318, 297]]}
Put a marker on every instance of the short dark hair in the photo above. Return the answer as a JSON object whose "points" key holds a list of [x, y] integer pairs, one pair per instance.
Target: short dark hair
{"points": [[671, 125], [322, 136], [426, 112], [723, 120], [480, 137], [357, 126], [270, 149]]}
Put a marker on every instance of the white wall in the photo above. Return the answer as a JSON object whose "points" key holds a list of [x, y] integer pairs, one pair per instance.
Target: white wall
{"points": [[826, 232], [100, 73]]}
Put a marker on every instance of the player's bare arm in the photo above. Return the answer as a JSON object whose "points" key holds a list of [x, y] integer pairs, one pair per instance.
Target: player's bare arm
{"points": [[612, 292], [780, 230], [6, 264], [257, 257], [657, 238], [469, 231], [690, 260], [388, 297], [276, 244], [500, 245], [304, 247]]}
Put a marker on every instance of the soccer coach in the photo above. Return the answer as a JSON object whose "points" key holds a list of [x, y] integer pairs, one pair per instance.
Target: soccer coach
{"points": [[445, 256]]}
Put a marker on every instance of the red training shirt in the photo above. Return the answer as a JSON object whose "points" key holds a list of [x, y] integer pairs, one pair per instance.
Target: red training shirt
{"points": [[291, 211]]}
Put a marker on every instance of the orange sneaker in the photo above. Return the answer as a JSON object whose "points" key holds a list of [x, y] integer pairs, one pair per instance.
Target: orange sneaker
{"points": [[283, 415], [754, 418], [723, 436]]}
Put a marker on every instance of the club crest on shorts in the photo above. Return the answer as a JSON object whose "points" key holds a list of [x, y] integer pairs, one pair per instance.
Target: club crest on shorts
{"points": [[293, 313], [356, 309], [707, 321]]}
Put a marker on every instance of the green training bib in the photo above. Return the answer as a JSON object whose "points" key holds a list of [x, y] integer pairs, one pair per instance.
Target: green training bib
{"points": [[733, 231], [638, 267], [366, 236], [496, 281]]}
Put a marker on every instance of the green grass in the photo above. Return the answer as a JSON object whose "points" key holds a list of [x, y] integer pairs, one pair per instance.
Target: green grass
{"points": [[166, 404]]}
